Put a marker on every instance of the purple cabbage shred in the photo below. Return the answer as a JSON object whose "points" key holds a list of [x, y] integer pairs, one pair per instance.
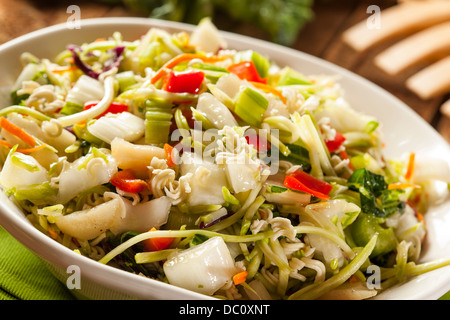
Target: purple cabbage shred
{"points": [[86, 69]]}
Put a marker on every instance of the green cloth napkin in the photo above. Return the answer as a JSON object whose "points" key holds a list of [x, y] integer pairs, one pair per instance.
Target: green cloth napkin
{"points": [[23, 276]]}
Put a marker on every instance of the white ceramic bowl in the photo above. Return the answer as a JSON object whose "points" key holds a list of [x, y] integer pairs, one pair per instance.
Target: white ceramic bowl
{"points": [[404, 131]]}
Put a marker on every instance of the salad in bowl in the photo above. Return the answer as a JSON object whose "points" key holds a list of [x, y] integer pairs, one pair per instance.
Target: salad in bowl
{"points": [[220, 171]]}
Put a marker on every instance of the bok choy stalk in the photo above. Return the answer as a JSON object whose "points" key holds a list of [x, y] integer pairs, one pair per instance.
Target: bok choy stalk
{"points": [[91, 170], [207, 181], [23, 177], [85, 89], [124, 125], [200, 262]]}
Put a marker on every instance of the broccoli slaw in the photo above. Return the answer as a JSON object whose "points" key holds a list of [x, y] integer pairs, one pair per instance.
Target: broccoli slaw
{"points": [[173, 155]]}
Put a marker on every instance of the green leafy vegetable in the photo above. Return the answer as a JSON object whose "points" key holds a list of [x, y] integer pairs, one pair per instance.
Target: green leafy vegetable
{"points": [[198, 239], [298, 155], [376, 198], [18, 99]]}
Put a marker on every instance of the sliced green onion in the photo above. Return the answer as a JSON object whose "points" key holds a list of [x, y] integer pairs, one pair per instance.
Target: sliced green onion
{"points": [[126, 79], [290, 77], [371, 126], [71, 108], [250, 106], [158, 119]]}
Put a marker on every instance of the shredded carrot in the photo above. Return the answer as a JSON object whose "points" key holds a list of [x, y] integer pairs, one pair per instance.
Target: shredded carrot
{"points": [[169, 152], [52, 233], [344, 156], [22, 150], [414, 202], [420, 216], [410, 167], [400, 185], [181, 58], [18, 132], [30, 150], [270, 89], [6, 144], [240, 277], [64, 69]]}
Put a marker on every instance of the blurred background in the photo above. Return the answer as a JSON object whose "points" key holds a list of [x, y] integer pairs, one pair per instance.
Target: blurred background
{"points": [[340, 31]]}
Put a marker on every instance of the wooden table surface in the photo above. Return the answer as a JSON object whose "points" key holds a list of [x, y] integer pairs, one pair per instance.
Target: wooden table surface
{"points": [[322, 37]]}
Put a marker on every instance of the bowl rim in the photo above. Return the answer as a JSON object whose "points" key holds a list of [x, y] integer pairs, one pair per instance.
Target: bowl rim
{"points": [[33, 238]]}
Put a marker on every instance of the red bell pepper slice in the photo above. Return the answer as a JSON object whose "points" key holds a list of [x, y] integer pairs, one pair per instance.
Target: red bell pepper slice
{"points": [[114, 107], [260, 144], [336, 143], [302, 181], [157, 244], [179, 82], [246, 70], [126, 181]]}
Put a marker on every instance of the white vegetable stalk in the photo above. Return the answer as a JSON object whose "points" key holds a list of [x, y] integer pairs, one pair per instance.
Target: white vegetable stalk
{"points": [[90, 223], [204, 268], [124, 125], [84, 173], [85, 89], [136, 157], [207, 181], [140, 217], [21, 170]]}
